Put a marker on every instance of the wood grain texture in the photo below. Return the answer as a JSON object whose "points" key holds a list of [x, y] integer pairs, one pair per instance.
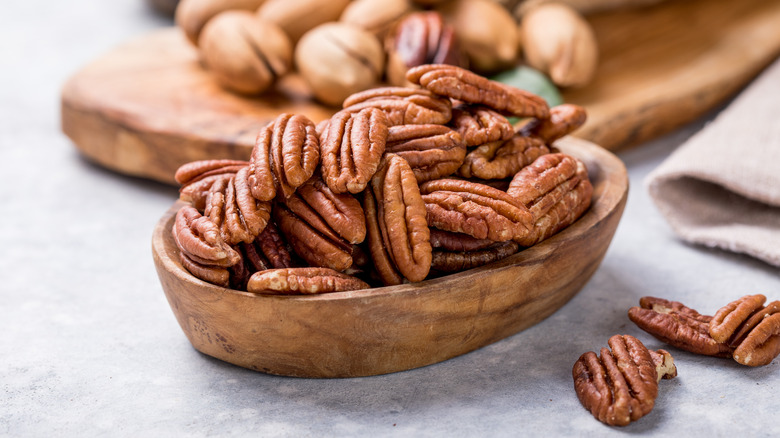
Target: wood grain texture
{"points": [[148, 107], [389, 329]]}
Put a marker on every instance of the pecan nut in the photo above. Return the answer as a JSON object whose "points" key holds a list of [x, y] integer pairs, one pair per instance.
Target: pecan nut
{"points": [[202, 250], [461, 84], [475, 209], [314, 247], [478, 125], [383, 265], [677, 325], [268, 251], [455, 261], [749, 327], [197, 177], [556, 190], [564, 119], [433, 151], [231, 206], [285, 156], [420, 38], [620, 386], [502, 159], [401, 218], [459, 242], [403, 106], [302, 281], [352, 147]]}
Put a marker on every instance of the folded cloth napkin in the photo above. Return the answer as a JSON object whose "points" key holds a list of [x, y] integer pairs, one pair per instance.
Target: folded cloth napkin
{"points": [[722, 187]]}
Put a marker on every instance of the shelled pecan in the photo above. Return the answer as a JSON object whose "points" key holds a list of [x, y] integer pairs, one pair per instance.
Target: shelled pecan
{"points": [[475, 209], [400, 216], [478, 125], [268, 251], [352, 147], [620, 386], [285, 156], [556, 190], [677, 325], [750, 328], [433, 151], [502, 159], [316, 248], [449, 241], [231, 206], [455, 261], [420, 38], [564, 119], [197, 177], [202, 250], [302, 281], [384, 267], [403, 106], [461, 84]]}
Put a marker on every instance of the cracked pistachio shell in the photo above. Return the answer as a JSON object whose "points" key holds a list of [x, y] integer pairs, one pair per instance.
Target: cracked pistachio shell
{"points": [[339, 59]]}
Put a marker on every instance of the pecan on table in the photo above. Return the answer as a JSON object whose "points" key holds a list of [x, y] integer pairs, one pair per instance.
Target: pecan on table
{"points": [[456, 261], [478, 125], [564, 119], [475, 209], [556, 190], [285, 156], [351, 149], [197, 177], [403, 106], [502, 159], [461, 84], [231, 206], [202, 250], [751, 328], [400, 219], [302, 281], [677, 325], [420, 38], [620, 386], [433, 151]]}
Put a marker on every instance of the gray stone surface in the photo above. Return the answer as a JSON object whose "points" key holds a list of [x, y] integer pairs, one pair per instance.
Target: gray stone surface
{"points": [[89, 347]]}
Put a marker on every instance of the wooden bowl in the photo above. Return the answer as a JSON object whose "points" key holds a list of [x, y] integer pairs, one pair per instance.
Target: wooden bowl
{"points": [[388, 329]]}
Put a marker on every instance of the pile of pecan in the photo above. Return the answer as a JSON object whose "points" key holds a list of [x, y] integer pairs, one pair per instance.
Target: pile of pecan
{"points": [[400, 185], [620, 386]]}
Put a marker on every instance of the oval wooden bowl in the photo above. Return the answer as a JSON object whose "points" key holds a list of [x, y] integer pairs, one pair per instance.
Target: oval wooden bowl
{"points": [[389, 329]]}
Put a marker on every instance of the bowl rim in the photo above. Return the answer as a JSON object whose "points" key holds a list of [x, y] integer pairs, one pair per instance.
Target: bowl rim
{"points": [[609, 177]]}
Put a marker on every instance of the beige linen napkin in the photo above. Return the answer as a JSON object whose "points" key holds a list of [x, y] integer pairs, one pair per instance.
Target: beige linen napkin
{"points": [[722, 187]]}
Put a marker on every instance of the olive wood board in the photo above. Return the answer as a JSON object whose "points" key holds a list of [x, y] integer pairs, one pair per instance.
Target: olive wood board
{"points": [[396, 328], [148, 106]]}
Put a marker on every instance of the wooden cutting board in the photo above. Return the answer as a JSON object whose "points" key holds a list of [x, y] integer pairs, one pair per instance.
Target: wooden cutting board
{"points": [[148, 106]]}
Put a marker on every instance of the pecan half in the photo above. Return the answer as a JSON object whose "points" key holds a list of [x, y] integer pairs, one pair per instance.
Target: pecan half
{"points": [[284, 157], [383, 265], [420, 38], [433, 151], [449, 241], [475, 209], [197, 177], [556, 190], [563, 120], [316, 248], [268, 251], [302, 281], [677, 325], [502, 159], [202, 250], [352, 147], [341, 212], [619, 386], [454, 261], [461, 84], [231, 206], [400, 215], [403, 106], [478, 125], [750, 328]]}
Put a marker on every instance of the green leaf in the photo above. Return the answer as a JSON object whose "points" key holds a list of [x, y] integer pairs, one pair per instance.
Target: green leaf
{"points": [[529, 79]]}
